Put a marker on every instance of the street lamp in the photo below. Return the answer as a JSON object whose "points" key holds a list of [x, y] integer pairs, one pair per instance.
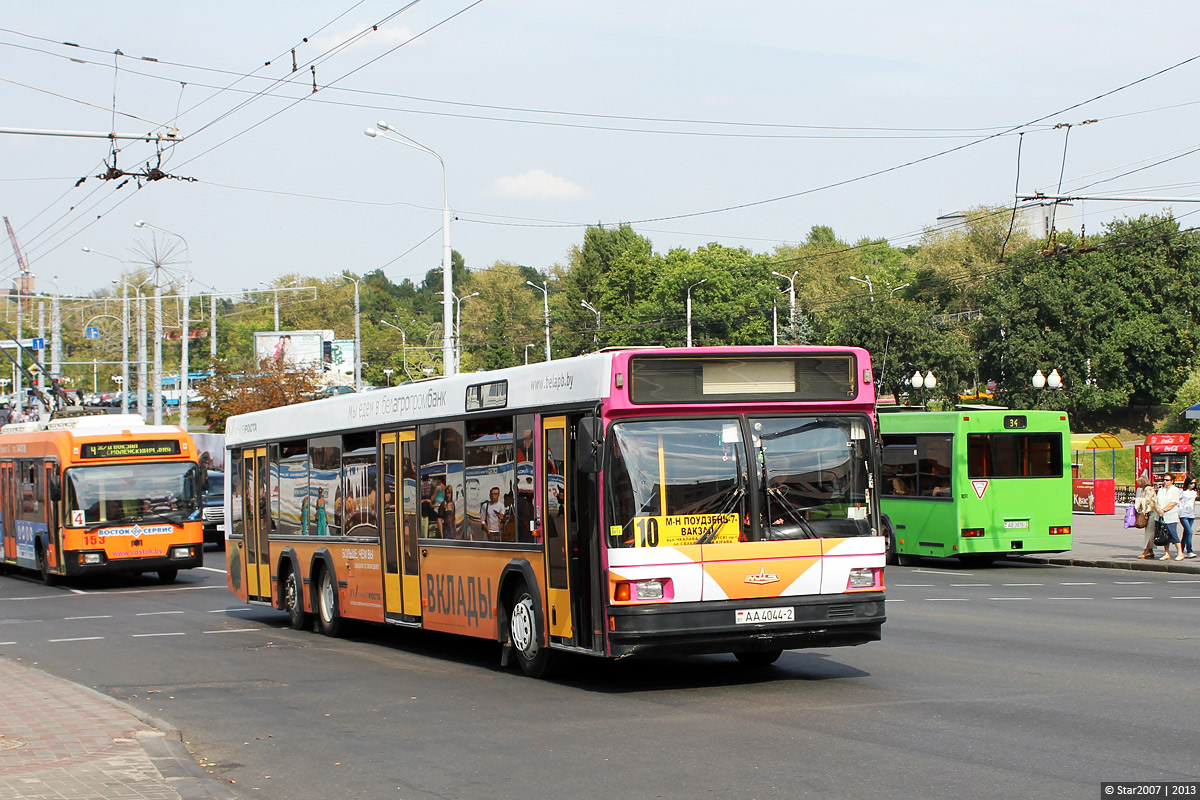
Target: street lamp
{"points": [[898, 288], [387, 374], [866, 281], [403, 345], [186, 335], [927, 380], [124, 322], [1041, 381], [545, 290], [596, 335], [357, 337], [689, 310], [531, 344], [791, 279], [447, 266]]}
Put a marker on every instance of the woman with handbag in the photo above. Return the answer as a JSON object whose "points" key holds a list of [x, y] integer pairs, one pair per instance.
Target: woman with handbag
{"points": [[1146, 508], [1187, 513]]}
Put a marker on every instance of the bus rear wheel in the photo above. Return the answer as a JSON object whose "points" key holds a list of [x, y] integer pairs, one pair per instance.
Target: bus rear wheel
{"points": [[523, 634], [758, 658], [329, 620], [293, 601]]}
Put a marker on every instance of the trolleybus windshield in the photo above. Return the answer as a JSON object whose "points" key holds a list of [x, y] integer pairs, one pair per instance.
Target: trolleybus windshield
{"points": [[693, 481], [163, 491]]}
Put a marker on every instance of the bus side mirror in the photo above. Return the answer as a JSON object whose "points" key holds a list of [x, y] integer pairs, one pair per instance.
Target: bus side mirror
{"points": [[55, 486], [589, 438]]}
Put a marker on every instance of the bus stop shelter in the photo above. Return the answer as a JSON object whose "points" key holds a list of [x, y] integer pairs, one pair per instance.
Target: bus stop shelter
{"points": [[1094, 495]]}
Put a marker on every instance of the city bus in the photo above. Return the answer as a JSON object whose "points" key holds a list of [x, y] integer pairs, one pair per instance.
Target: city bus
{"points": [[86, 495], [655, 501], [976, 484]]}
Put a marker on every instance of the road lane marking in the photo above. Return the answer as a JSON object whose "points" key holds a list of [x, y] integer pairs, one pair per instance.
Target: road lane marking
{"points": [[948, 599], [1130, 583], [155, 613], [1022, 584], [914, 585], [1077, 583], [1181, 581], [3, 643], [1186, 597], [213, 569], [1070, 598], [970, 584], [145, 635], [76, 591], [94, 616], [238, 630], [1010, 598], [224, 610], [77, 639], [936, 572], [1132, 597]]}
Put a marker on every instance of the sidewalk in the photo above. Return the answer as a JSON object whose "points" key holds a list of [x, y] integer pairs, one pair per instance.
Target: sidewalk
{"points": [[1104, 541], [62, 741]]}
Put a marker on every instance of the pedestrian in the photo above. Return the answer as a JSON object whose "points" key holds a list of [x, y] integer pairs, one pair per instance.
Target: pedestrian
{"points": [[494, 514], [1187, 513], [449, 515], [1144, 503], [1168, 507]]}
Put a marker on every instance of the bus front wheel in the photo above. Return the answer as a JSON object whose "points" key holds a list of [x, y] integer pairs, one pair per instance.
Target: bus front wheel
{"points": [[168, 575], [523, 633], [47, 576], [293, 601], [329, 620]]}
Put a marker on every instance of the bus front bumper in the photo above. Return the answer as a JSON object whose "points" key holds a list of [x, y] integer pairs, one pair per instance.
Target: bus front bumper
{"points": [[712, 627], [95, 562]]}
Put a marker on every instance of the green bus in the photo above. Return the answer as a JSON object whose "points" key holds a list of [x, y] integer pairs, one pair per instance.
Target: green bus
{"points": [[975, 484]]}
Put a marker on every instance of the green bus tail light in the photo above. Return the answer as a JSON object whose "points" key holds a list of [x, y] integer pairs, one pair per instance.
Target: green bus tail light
{"points": [[1060, 529], [972, 533]]}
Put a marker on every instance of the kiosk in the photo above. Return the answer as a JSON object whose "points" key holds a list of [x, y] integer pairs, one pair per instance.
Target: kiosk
{"points": [[1164, 452]]}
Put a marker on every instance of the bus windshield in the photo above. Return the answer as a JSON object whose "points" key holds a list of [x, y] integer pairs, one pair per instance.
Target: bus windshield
{"points": [[117, 493], [694, 481]]}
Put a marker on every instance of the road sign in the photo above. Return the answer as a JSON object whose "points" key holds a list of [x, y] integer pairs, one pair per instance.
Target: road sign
{"points": [[38, 344], [92, 332]]}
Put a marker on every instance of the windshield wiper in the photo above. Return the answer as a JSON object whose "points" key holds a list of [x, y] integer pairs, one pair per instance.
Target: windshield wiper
{"points": [[126, 521]]}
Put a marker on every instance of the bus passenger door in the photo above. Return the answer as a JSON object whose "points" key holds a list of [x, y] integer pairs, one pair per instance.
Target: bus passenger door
{"points": [[255, 498], [54, 552], [555, 488], [401, 587], [8, 511]]}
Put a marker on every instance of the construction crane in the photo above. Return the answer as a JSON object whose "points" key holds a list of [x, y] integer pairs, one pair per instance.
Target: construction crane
{"points": [[21, 262]]}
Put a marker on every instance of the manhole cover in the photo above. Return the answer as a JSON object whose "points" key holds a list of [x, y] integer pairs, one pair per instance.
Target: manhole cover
{"points": [[10, 744]]}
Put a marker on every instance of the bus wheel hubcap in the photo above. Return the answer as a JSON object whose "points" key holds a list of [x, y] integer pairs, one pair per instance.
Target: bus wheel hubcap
{"points": [[522, 627], [326, 597]]}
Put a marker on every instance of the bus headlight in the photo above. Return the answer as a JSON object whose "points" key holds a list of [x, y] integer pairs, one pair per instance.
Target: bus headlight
{"points": [[864, 578], [181, 552], [91, 558], [649, 590]]}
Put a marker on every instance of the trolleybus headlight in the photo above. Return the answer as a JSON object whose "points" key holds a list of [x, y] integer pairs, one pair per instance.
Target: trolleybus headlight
{"points": [[181, 552], [91, 558], [969, 533], [649, 590], [1060, 529], [865, 578]]}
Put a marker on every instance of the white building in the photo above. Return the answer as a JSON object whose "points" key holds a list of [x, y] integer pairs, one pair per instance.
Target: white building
{"points": [[1036, 219]]}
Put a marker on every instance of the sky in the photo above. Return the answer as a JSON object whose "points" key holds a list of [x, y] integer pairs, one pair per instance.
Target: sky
{"points": [[740, 123]]}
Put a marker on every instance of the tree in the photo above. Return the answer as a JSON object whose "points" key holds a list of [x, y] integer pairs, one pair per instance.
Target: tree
{"points": [[239, 389]]}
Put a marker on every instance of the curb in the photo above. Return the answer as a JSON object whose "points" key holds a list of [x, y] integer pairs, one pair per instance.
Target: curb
{"points": [[166, 751], [1136, 565]]}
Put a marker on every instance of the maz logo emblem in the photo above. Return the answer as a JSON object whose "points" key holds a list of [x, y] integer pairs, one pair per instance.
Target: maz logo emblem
{"points": [[762, 576]]}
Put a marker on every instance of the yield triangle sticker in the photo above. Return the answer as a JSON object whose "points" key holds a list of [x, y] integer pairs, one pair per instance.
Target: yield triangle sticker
{"points": [[980, 487]]}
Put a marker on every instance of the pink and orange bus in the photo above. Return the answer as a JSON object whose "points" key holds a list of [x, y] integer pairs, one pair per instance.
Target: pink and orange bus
{"points": [[641, 501]]}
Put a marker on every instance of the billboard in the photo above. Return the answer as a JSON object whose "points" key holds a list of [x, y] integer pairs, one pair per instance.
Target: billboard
{"points": [[291, 348], [341, 361]]}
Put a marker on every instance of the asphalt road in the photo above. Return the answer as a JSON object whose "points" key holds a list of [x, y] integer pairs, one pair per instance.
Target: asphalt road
{"points": [[1012, 681]]}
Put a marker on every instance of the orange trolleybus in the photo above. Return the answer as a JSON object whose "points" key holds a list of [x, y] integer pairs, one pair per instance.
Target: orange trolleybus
{"points": [[94, 494], [698, 500]]}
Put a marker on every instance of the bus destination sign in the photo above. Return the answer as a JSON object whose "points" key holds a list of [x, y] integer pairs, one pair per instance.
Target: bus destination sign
{"points": [[134, 449], [1014, 422]]}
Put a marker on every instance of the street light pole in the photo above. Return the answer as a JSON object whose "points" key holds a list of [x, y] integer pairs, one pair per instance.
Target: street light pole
{"points": [[689, 310], [185, 332], [545, 290], [596, 335], [866, 281], [458, 330], [531, 344], [403, 344], [448, 366], [791, 298], [124, 325], [357, 336]]}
